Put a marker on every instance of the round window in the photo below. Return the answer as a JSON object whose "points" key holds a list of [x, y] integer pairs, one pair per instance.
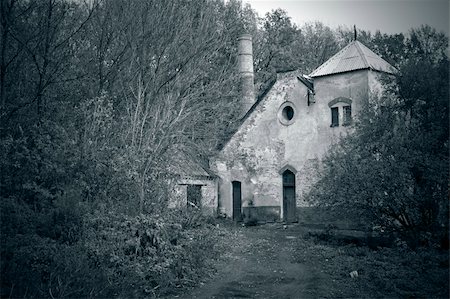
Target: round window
{"points": [[286, 113]]}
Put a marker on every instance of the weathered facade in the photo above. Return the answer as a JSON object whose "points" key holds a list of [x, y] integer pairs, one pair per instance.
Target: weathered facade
{"points": [[196, 188], [268, 166]]}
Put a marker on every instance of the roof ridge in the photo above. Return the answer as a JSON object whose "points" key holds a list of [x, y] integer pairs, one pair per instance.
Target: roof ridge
{"points": [[377, 56], [354, 56], [329, 60], [358, 48]]}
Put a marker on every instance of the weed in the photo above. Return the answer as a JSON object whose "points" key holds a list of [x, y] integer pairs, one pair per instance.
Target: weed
{"points": [[384, 272]]}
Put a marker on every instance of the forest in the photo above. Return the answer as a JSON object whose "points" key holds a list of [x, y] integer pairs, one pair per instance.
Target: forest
{"points": [[100, 99]]}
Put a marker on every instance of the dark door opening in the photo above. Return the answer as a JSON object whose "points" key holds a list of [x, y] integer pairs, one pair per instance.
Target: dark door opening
{"points": [[194, 196], [289, 202], [237, 201]]}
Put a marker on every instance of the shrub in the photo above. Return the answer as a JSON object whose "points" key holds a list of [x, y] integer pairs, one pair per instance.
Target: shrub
{"points": [[383, 173], [42, 256], [33, 266], [150, 254]]}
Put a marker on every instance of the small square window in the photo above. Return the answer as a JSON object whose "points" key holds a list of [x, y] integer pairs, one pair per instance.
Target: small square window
{"points": [[347, 115], [334, 117]]}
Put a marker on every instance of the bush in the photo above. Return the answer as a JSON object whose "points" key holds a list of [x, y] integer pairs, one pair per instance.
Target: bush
{"points": [[383, 173], [33, 266], [150, 254], [396, 272], [42, 256], [62, 253]]}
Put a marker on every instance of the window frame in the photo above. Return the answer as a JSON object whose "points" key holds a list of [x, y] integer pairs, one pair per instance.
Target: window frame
{"points": [[338, 112], [334, 117], [347, 117], [282, 117]]}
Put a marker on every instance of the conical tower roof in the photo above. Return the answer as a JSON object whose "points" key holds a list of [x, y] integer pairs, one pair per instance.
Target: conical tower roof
{"points": [[354, 56]]}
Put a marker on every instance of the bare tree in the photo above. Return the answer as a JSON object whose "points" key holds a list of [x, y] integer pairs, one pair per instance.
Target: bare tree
{"points": [[168, 89], [38, 40]]}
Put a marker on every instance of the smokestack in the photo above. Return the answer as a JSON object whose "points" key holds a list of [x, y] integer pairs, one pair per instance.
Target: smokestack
{"points": [[245, 62]]}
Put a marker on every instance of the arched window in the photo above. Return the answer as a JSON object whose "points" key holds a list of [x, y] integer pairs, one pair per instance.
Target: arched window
{"points": [[341, 111]]}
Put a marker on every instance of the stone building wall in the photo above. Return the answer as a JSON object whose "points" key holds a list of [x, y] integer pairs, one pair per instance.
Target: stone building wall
{"points": [[263, 145], [209, 200]]}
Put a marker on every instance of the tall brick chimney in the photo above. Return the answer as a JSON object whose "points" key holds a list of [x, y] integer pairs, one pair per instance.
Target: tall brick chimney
{"points": [[245, 63]]}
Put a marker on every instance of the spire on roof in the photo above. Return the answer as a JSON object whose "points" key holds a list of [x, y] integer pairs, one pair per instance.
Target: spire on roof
{"points": [[354, 30]]}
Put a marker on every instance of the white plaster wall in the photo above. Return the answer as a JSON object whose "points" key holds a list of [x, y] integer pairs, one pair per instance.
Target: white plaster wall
{"points": [[263, 145]]}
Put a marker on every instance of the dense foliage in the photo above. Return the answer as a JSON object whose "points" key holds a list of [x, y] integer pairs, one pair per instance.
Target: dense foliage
{"points": [[97, 99], [392, 171], [63, 253]]}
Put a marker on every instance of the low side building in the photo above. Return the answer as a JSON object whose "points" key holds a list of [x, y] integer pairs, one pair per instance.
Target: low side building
{"points": [[195, 188]]}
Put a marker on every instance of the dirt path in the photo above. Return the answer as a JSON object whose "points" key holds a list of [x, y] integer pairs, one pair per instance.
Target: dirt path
{"points": [[261, 264]]}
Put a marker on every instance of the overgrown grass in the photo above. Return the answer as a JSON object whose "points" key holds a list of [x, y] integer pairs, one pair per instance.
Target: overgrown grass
{"points": [[66, 254], [397, 272], [148, 255]]}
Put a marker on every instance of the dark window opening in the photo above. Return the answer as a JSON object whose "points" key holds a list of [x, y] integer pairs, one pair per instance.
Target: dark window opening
{"points": [[311, 99], [288, 112], [347, 115], [194, 196], [334, 117]]}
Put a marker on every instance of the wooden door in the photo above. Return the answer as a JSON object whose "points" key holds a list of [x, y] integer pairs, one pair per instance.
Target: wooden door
{"points": [[289, 202], [237, 201]]}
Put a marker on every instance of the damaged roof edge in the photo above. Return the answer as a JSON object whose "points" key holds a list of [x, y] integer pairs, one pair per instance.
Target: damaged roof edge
{"points": [[260, 97], [309, 83]]}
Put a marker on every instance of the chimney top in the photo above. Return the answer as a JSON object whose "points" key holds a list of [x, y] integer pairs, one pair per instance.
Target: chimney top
{"points": [[245, 36]]}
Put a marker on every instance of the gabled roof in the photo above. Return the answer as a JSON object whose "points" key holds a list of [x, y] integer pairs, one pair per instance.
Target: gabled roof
{"points": [[193, 169], [269, 84], [308, 82], [354, 56], [186, 166]]}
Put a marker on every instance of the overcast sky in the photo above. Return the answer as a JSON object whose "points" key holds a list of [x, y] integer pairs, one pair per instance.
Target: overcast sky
{"points": [[389, 16]]}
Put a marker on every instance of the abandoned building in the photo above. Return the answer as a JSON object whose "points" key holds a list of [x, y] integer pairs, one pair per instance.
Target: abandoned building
{"points": [[269, 164]]}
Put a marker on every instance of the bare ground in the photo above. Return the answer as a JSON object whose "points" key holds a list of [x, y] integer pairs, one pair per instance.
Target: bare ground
{"points": [[273, 261], [261, 263]]}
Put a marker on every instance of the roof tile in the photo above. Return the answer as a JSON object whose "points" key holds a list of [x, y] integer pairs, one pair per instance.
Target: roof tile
{"points": [[354, 56]]}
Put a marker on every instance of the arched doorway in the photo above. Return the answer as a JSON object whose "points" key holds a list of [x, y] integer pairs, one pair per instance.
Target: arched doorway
{"points": [[289, 202], [237, 201]]}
